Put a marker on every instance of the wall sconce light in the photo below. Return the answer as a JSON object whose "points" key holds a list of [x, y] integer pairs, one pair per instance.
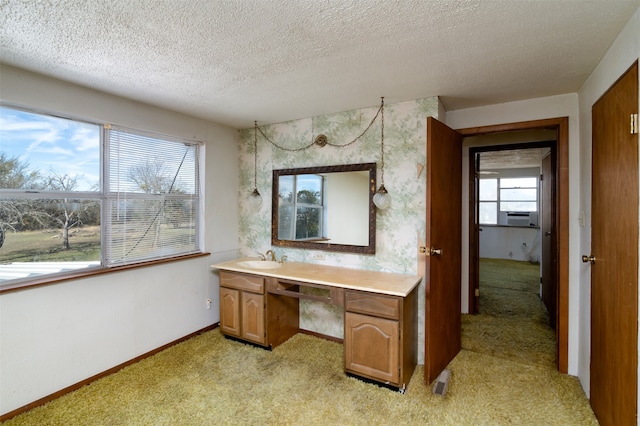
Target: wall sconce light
{"points": [[381, 198], [255, 199]]}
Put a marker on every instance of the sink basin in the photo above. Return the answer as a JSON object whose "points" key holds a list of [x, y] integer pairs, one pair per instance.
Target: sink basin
{"points": [[259, 264]]}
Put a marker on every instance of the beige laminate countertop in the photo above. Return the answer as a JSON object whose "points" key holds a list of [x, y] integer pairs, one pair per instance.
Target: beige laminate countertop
{"points": [[335, 276]]}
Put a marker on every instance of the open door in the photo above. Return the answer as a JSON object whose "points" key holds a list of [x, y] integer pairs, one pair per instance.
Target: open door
{"points": [[474, 235], [549, 242], [614, 254], [443, 248]]}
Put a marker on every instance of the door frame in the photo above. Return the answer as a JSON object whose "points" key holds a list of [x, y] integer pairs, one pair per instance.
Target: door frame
{"points": [[474, 235], [561, 126]]}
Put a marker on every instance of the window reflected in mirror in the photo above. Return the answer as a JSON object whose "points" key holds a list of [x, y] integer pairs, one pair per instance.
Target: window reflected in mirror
{"points": [[326, 208], [301, 217]]}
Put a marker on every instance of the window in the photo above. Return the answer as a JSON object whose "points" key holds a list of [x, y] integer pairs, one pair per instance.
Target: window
{"points": [[152, 196], [307, 207], [507, 195], [76, 195]]}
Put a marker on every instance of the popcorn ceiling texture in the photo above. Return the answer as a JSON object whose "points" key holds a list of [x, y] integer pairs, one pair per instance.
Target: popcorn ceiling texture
{"points": [[233, 62]]}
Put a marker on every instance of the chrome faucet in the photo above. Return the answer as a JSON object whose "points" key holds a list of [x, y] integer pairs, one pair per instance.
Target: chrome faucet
{"points": [[273, 255]]}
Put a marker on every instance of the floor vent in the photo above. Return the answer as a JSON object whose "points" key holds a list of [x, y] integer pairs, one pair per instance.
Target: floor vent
{"points": [[442, 383]]}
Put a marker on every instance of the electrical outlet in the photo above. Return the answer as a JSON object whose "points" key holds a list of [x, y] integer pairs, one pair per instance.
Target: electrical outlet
{"points": [[207, 303], [318, 256]]}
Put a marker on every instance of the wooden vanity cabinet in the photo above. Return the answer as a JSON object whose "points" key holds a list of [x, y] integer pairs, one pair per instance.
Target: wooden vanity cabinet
{"points": [[380, 336], [380, 329], [242, 307]]}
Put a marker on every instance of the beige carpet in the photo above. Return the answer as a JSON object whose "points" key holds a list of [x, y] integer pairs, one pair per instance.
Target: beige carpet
{"points": [[210, 380], [513, 322]]}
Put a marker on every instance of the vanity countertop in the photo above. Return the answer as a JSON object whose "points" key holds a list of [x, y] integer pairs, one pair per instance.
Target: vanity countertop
{"points": [[334, 276]]}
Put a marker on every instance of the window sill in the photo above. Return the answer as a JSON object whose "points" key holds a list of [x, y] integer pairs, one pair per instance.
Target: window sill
{"points": [[85, 273]]}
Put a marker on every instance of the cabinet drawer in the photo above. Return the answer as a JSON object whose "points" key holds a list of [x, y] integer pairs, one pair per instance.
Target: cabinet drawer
{"points": [[242, 282], [372, 304]]}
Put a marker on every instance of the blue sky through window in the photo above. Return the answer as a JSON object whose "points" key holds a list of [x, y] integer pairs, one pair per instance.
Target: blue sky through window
{"points": [[50, 144]]}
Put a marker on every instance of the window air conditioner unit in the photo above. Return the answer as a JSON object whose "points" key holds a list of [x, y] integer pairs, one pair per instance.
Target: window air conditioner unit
{"points": [[525, 219]]}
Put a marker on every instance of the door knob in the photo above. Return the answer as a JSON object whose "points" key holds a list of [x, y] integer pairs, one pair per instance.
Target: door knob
{"points": [[547, 234], [430, 251], [589, 259]]}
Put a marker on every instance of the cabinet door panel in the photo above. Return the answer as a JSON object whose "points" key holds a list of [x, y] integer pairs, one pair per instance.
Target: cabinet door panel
{"points": [[371, 347], [253, 317], [230, 311]]}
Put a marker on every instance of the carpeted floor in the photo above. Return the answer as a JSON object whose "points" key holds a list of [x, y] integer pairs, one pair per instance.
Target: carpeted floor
{"points": [[211, 380], [513, 322]]}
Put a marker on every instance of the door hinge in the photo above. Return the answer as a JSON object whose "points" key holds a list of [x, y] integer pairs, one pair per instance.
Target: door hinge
{"points": [[477, 292], [634, 124]]}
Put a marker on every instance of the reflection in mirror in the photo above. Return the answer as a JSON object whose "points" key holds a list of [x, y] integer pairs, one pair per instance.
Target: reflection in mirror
{"points": [[325, 208]]}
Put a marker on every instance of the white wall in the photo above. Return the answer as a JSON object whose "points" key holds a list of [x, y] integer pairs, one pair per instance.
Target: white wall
{"points": [[57, 335], [510, 242], [534, 109], [620, 56]]}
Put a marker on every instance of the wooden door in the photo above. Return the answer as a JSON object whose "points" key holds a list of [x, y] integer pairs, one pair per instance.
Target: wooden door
{"points": [[549, 241], [443, 246], [614, 244], [474, 235]]}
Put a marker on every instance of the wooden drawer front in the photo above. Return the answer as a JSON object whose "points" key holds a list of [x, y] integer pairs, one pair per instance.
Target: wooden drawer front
{"points": [[242, 282], [373, 304]]}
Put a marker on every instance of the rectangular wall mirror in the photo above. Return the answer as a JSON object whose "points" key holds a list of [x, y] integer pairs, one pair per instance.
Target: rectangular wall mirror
{"points": [[325, 208]]}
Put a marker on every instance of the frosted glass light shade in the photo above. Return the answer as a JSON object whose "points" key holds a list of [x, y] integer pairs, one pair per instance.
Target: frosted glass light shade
{"points": [[255, 199], [381, 198]]}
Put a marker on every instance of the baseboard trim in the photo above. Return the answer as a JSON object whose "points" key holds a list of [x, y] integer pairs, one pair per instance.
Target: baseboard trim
{"points": [[105, 373], [321, 336]]}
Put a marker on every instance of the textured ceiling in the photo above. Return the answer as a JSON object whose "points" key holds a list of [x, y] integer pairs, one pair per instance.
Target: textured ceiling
{"points": [[512, 159], [233, 62]]}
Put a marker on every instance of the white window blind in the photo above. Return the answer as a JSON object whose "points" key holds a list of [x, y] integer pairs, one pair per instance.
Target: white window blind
{"points": [[152, 196]]}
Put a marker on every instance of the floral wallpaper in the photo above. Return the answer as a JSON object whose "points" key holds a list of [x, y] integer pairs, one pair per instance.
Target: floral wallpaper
{"points": [[400, 228]]}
